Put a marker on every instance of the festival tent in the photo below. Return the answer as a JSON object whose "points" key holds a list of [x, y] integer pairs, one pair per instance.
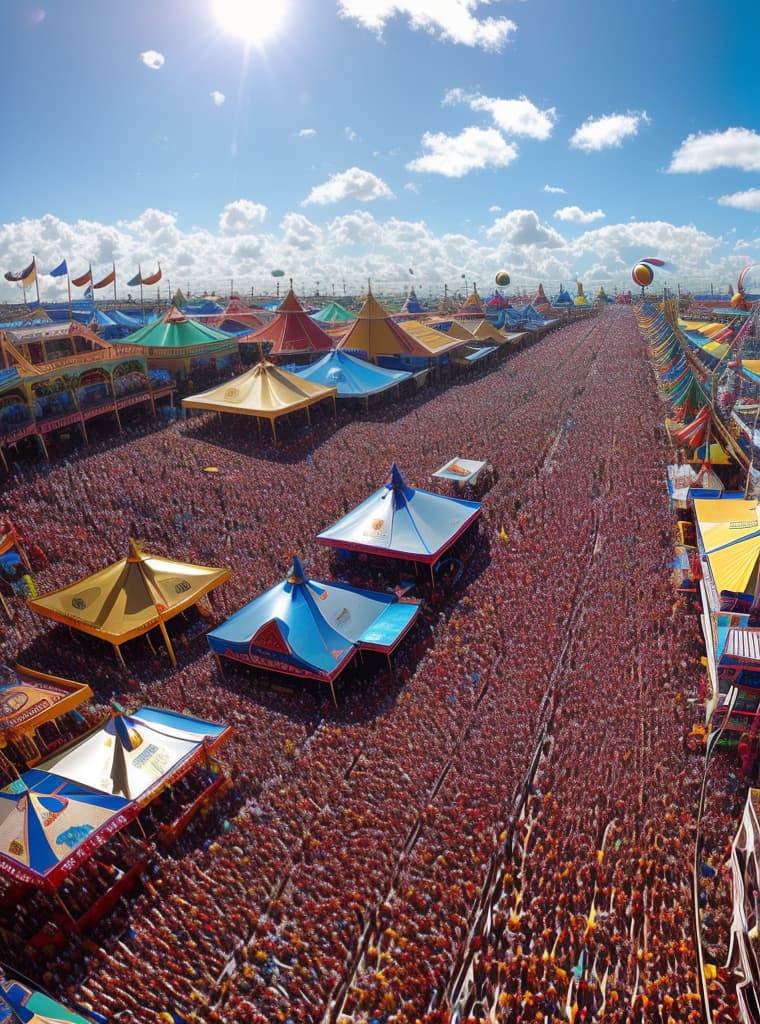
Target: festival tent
{"points": [[496, 301], [580, 298], [350, 376], [601, 297], [49, 826], [377, 333], [265, 391], [398, 521], [540, 301], [175, 332], [486, 331], [437, 341], [130, 597], [292, 332], [334, 313], [412, 306], [237, 316], [563, 299], [729, 532], [139, 754], [20, 1004], [28, 699], [311, 628], [472, 305]]}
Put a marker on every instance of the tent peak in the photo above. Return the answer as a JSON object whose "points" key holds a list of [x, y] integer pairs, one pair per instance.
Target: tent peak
{"points": [[296, 573], [136, 554]]}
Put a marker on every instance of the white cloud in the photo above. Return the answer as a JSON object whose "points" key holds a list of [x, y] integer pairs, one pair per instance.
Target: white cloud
{"points": [[217, 97], [608, 130], [456, 155], [351, 135], [735, 147], [306, 133], [240, 216], [351, 184], [451, 21], [523, 228], [575, 215], [747, 200], [494, 209], [513, 117], [412, 187], [152, 59], [299, 233], [554, 189]]}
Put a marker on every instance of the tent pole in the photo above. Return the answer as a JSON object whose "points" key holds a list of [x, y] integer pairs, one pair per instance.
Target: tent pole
{"points": [[167, 641], [219, 665], [66, 910], [332, 691], [119, 656]]}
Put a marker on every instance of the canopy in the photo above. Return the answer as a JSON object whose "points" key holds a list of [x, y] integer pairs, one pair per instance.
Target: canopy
{"points": [[563, 299], [496, 300], [174, 331], [130, 597], [412, 304], [403, 522], [49, 826], [20, 1003], [138, 755], [28, 699], [310, 628], [352, 377], [292, 332], [729, 529], [472, 305], [484, 330], [437, 342], [237, 314], [334, 313], [463, 471], [376, 333], [265, 391]]}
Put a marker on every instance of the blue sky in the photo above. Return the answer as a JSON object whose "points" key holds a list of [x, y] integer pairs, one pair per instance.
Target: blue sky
{"points": [[355, 139]]}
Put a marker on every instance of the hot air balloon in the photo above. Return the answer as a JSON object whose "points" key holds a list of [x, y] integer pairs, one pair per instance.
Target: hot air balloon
{"points": [[502, 278], [739, 299], [642, 275], [278, 273]]}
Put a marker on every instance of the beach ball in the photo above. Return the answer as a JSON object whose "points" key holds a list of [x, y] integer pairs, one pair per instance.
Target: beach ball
{"points": [[502, 278], [642, 275]]}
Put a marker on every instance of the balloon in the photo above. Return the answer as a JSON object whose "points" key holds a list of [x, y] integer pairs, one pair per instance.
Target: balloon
{"points": [[278, 273], [502, 278], [642, 275]]}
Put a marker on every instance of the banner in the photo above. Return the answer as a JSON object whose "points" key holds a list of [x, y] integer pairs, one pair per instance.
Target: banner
{"points": [[60, 270], [21, 275], [136, 280], [80, 282], [31, 277], [108, 279], [154, 278]]}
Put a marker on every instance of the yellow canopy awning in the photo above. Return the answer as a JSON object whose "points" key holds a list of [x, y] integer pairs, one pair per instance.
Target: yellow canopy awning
{"points": [[730, 531], [265, 390]]}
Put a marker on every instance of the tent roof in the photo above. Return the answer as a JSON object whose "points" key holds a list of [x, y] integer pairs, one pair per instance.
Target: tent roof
{"points": [[312, 628], [412, 304], [435, 341], [49, 826], [401, 521], [292, 331], [176, 331], [166, 745], [472, 304], [484, 330], [496, 300], [460, 470], [31, 1007], [352, 377], [334, 313], [376, 333], [29, 698], [265, 390], [130, 597], [730, 532]]}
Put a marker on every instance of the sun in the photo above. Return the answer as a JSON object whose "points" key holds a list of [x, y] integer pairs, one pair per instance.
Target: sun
{"points": [[253, 22]]}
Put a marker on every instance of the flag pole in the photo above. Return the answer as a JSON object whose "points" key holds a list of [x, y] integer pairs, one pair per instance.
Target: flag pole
{"points": [[37, 281], [113, 267], [142, 307], [68, 285]]}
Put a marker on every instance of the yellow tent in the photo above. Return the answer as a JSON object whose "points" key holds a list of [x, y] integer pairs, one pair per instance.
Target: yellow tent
{"points": [[437, 342], [730, 532], [376, 333], [28, 699], [130, 597], [265, 391], [486, 331]]}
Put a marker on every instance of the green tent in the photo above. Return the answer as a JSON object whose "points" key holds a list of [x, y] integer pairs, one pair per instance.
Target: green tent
{"points": [[334, 313]]}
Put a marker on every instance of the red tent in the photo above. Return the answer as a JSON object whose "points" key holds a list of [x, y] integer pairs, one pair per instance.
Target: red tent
{"points": [[292, 332]]}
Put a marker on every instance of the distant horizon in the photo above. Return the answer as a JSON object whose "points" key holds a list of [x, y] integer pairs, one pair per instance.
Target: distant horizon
{"points": [[396, 140]]}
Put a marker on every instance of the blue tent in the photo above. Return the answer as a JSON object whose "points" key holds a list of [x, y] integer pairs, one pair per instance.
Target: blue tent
{"points": [[563, 299], [402, 522], [312, 629], [354, 378]]}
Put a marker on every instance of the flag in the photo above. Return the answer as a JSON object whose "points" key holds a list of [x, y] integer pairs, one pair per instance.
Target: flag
{"points": [[108, 279], [80, 282], [31, 276], [88, 292], [154, 278], [60, 270], [136, 280], [21, 275]]}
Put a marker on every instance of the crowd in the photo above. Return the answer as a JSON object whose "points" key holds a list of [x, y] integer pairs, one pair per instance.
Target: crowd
{"points": [[386, 860]]}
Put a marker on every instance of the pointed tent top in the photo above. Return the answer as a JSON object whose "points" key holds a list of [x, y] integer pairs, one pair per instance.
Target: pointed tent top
{"points": [[397, 484], [174, 315], [290, 304], [296, 574], [136, 553]]}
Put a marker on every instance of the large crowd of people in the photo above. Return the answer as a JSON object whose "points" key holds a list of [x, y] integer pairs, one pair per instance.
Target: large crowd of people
{"points": [[394, 857]]}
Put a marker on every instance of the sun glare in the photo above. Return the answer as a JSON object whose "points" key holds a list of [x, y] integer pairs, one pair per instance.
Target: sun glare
{"points": [[252, 21]]}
